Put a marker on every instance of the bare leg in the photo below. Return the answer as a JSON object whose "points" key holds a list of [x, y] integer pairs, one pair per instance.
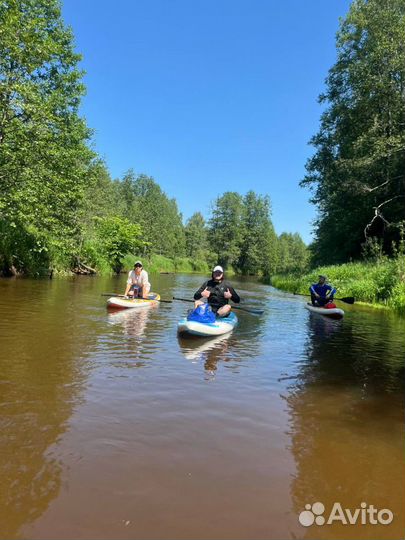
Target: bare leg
{"points": [[145, 291], [224, 311]]}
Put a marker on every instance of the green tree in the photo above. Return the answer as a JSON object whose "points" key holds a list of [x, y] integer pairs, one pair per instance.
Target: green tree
{"points": [[196, 237], [259, 251], [293, 254], [145, 203], [225, 228], [127, 194], [357, 172], [117, 238], [44, 157]]}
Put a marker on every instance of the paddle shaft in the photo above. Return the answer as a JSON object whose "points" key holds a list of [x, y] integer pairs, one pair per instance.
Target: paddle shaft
{"points": [[249, 310], [346, 300]]}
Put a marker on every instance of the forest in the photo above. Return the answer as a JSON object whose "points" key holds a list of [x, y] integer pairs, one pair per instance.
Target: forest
{"points": [[61, 211], [59, 208]]}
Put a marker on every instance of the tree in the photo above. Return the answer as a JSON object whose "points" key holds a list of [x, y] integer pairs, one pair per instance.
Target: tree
{"points": [[225, 228], [117, 238], [44, 157], [127, 194], [196, 237], [358, 172], [259, 252], [293, 254], [159, 217]]}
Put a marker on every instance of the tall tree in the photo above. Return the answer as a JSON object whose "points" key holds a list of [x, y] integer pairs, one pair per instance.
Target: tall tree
{"points": [[358, 171], [293, 254], [44, 157], [196, 237], [159, 217], [225, 226], [259, 252]]}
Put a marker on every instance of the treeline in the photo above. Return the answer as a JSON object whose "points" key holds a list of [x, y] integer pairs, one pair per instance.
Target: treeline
{"points": [[239, 233], [357, 172], [59, 208]]}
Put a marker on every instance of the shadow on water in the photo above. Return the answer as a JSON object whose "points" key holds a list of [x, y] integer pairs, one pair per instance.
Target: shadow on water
{"points": [[346, 409]]}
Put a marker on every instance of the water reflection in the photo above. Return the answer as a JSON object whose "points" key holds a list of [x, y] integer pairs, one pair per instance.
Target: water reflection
{"points": [[132, 321], [323, 327], [364, 350], [346, 416], [210, 351], [159, 441], [41, 383]]}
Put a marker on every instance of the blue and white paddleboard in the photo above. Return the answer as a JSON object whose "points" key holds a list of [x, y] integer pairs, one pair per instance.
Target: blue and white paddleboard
{"points": [[222, 325]]}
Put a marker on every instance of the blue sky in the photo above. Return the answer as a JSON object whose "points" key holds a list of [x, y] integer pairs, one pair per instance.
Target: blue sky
{"points": [[210, 96]]}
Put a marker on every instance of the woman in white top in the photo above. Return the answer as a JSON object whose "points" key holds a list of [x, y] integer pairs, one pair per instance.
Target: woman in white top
{"points": [[138, 282]]}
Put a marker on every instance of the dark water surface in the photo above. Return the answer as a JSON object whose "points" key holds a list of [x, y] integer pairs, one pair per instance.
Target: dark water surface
{"points": [[113, 427]]}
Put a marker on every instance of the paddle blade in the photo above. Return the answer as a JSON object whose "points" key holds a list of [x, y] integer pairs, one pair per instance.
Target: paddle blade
{"points": [[347, 300]]}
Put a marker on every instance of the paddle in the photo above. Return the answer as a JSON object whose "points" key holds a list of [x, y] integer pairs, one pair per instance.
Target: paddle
{"points": [[249, 310], [346, 299], [127, 297]]}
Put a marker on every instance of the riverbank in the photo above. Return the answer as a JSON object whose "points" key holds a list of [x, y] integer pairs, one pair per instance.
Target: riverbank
{"points": [[380, 283], [155, 264], [161, 264]]}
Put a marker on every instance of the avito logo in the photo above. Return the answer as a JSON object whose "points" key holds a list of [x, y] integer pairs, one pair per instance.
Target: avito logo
{"points": [[367, 514]]}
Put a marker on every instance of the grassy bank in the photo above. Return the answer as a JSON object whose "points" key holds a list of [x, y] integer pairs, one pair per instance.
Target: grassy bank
{"points": [[159, 263], [377, 283]]}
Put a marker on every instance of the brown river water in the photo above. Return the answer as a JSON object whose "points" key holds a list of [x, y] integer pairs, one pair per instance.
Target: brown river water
{"points": [[114, 427]]}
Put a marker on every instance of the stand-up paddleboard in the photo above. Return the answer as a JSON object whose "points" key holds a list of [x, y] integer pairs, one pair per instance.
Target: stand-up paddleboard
{"points": [[222, 325], [124, 303], [333, 313]]}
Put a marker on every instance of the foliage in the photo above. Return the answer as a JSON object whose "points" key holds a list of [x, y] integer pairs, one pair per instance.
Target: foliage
{"points": [[293, 254], [259, 252], [196, 236], [44, 157], [158, 215], [59, 207], [242, 234], [379, 283], [357, 172], [117, 237], [225, 230], [159, 263]]}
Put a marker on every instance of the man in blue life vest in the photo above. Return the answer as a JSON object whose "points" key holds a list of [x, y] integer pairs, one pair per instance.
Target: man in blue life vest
{"points": [[321, 292]]}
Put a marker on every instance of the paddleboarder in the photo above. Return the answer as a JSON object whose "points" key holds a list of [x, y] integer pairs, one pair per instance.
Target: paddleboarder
{"points": [[138, 285], [321, 293], [217, 292]]}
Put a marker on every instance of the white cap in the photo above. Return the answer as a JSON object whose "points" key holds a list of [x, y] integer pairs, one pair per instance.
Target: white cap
{"points": [[218, 269]]}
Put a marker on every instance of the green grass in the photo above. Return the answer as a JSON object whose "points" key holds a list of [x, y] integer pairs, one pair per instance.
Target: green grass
{"points": [[159, 263], [379, 283]]}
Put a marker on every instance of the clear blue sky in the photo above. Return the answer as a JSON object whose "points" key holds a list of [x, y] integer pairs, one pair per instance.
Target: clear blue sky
{"points": [[210, 96]]}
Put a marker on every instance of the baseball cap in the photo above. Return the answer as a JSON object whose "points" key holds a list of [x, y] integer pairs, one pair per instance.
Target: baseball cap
{"points": [[218, 269]]}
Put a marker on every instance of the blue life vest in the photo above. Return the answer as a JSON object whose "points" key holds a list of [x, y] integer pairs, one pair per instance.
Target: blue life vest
{"points": [[202, 314]]}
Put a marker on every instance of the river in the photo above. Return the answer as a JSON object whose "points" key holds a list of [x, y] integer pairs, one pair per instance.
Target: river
{"points": [[114, 427]]}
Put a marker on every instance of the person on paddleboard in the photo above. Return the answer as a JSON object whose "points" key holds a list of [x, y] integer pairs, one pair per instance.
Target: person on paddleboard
{"points": [[217, 292], [321, 293], [138, 285]]}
